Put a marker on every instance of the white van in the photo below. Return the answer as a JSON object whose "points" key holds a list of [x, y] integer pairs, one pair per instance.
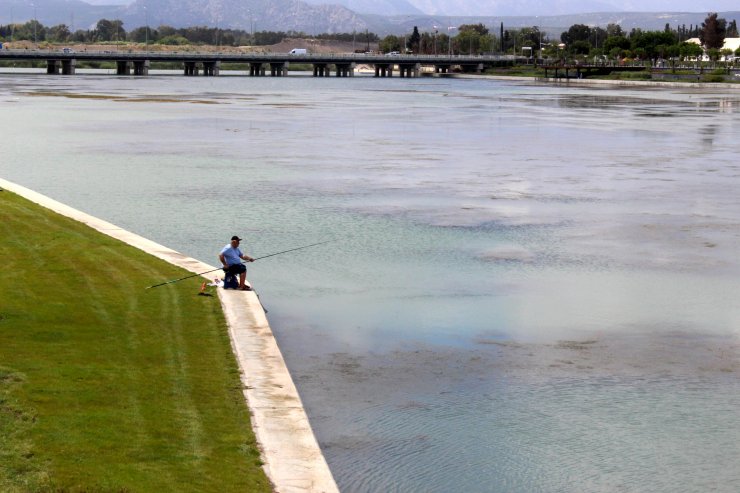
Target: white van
{"points": [[298, 51]]}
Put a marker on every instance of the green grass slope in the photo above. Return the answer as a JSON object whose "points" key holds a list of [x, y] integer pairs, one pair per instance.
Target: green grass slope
{"points": [[106, 386]]}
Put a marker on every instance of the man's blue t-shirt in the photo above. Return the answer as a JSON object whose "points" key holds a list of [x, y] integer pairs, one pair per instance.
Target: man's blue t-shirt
{"points": [[232, 255]]}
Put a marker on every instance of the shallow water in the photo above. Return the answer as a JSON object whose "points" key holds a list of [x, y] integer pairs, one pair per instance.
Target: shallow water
{"points": [[532, 288]]}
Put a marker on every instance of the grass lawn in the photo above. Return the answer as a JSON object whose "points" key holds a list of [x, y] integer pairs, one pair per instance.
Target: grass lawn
{"points": [[106, 386]]}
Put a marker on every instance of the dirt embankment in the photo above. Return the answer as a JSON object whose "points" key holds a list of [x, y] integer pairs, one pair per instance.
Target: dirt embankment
{"points": [[319, 46], [310, 45]]}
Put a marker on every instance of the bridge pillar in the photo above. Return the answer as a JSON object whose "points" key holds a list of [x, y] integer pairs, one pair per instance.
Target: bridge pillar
{"points": [[256, 69], [52, 66], [469, 68], [384, 70], [211, 69], [190, 68], [409, 70], [123, 67], [321, 70], [68, 66], [278, 69], [345, 69], [141, 67]]}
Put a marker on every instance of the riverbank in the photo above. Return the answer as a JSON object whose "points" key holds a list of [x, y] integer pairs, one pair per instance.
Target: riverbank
{"points": [[602, 82], [101, 371]]}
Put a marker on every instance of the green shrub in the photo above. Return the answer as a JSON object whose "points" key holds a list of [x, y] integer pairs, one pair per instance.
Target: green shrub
{"points": [[643, 75], [173, 40]]}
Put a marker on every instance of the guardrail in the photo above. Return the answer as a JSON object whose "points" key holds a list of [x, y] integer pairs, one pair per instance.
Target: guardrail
{"points": [[245, 57]]}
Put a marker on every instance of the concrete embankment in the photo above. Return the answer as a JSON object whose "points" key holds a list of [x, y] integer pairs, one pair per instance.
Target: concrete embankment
{"points": [[292, 457]]}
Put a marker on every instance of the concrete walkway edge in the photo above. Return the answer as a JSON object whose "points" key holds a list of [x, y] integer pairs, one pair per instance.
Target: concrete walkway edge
{"points": [[292, 458]]}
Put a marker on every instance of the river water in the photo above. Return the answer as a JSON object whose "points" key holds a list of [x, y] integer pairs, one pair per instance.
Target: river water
{"points": [[530, 288]]}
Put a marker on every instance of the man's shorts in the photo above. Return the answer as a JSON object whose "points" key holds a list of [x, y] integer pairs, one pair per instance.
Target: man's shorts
{"points": [[236, 269]]}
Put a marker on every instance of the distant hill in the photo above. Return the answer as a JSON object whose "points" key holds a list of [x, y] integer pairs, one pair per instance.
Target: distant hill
{"points": [[539, 8], [378, 7], [297, 15], [510, 7], [274, 15], [552, 25], [75, 13], [261, 15]]}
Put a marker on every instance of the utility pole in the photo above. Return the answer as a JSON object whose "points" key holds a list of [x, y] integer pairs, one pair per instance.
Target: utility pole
{"points": [[502, 38], [449, 37], [146, 29], [35, 22]]}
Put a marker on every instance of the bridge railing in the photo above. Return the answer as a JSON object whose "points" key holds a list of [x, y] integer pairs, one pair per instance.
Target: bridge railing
{"points": [[240, 56]]}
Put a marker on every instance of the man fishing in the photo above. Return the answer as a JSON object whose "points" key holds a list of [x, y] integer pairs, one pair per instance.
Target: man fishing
{"points": [[233, 249], [231, 258]]}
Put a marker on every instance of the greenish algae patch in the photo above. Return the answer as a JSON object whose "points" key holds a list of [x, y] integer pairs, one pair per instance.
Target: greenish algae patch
{"points": [[128, 99], [107, 386]]}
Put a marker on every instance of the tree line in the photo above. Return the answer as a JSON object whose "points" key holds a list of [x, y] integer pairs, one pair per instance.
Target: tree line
{"points": [[578, 40], [107, 31], [613, 42]]}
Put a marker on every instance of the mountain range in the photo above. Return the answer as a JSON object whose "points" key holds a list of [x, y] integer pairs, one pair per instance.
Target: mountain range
{"points": [[378, 16]]}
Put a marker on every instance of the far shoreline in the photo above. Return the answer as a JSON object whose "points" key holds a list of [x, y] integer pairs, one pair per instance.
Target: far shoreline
{"points": [[601, 82]]}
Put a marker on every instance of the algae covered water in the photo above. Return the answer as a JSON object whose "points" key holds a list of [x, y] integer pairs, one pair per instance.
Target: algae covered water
{"points": [[529, 288]]}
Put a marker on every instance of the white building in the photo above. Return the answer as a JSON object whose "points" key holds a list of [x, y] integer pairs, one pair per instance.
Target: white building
{"points": [[730, 44]]}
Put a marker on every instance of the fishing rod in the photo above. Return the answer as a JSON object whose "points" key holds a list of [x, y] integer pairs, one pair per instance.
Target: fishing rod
{"points": [[221, 268]]}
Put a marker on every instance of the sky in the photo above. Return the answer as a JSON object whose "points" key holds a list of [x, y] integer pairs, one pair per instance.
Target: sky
{"points": [[620, 5]]}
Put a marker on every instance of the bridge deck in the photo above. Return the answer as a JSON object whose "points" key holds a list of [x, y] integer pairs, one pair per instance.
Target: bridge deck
{"points": [[175, 56]]}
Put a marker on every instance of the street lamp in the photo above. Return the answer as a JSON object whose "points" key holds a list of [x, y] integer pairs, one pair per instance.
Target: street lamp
{"points": [[35, 21], [449, 39], [436, 30], [146, 29]]}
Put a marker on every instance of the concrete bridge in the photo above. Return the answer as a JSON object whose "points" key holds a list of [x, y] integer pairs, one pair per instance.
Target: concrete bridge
{"points": [[209, 64]]}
